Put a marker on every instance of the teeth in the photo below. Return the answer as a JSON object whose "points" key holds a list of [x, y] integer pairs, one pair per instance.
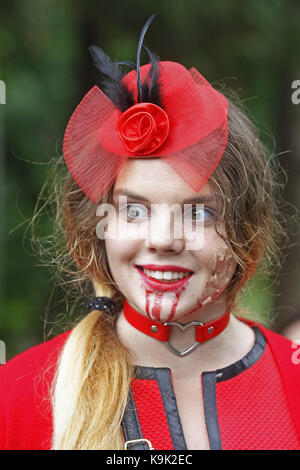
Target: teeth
{"points": [[166, 275]]}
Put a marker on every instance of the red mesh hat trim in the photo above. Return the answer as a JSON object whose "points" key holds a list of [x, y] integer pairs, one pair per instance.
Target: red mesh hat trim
{"points": [[196, 164], [197, 137], [92, 166]]}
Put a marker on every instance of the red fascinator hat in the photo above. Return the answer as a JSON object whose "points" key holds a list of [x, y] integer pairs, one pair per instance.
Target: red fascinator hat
{"points": [[160, 109]]}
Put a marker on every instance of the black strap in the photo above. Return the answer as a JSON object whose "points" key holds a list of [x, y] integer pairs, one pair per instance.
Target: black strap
{"points": [[131, 426]]}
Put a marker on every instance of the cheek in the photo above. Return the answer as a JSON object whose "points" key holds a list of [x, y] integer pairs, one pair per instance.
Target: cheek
{"points": [[120, 252], [211, 252], [122, 240], [216, 267]]}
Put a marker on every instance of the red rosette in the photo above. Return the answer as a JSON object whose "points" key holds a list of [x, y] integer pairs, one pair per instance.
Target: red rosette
{"points": [[143, 128]]}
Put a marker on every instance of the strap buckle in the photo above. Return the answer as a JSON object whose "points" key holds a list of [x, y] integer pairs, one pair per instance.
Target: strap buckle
{"points": [[136, 441]]}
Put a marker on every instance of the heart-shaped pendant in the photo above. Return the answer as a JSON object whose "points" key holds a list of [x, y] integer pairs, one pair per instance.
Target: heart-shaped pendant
{"points": [[183, 327]]}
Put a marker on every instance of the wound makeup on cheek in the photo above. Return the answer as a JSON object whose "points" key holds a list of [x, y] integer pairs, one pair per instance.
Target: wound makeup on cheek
{"points": [[206, 301], [214, 278], [218, 280]]}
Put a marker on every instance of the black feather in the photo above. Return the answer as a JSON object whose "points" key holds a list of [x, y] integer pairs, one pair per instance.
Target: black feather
{"points": [[114, 87], [151, 85], [138, 57]]}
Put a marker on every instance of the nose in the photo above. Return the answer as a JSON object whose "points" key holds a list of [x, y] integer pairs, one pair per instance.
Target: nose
{"points": [[162, 236]]}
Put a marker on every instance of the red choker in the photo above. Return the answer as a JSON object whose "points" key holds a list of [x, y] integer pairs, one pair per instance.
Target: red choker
{"points": [[161, 331]]}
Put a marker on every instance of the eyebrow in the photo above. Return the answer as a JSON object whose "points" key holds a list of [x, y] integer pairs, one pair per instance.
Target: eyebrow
{"points": [[193, 200]]}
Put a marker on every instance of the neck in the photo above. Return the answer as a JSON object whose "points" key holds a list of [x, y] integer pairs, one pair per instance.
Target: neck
{"points": [[222, 350]]}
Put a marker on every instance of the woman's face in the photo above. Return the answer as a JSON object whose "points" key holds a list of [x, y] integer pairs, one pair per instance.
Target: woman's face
{"points": [[165, 275]]}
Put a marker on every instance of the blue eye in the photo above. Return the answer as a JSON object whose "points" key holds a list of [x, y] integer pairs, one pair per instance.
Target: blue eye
{"points": [[136, 211], [199, 213]]}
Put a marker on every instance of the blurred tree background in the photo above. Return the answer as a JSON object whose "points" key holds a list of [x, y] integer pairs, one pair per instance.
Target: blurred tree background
{"points": [[251, 47]]}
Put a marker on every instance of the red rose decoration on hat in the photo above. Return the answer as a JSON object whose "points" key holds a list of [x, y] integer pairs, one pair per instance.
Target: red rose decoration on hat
{"points": [[143, 128]]}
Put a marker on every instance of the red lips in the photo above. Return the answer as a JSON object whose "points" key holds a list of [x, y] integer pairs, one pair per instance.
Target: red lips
{"points": [[165, 267], [156, 285]]}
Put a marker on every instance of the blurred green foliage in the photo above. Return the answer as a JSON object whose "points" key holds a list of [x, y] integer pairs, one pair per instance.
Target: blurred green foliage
{"points": [[251, 47]]}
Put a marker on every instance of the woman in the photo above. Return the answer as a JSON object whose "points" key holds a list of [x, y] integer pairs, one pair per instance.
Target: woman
{"points": [[168, 209]]}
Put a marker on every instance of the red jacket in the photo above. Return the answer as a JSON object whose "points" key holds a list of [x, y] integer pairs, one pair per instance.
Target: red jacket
{"points": [[252, 404]]}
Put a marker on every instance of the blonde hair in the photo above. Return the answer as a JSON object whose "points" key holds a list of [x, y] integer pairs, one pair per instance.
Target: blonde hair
{"points": [[91, 385]]}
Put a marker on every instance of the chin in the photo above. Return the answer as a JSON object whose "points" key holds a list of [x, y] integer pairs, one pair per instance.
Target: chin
{"points": [[186, 314]]}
